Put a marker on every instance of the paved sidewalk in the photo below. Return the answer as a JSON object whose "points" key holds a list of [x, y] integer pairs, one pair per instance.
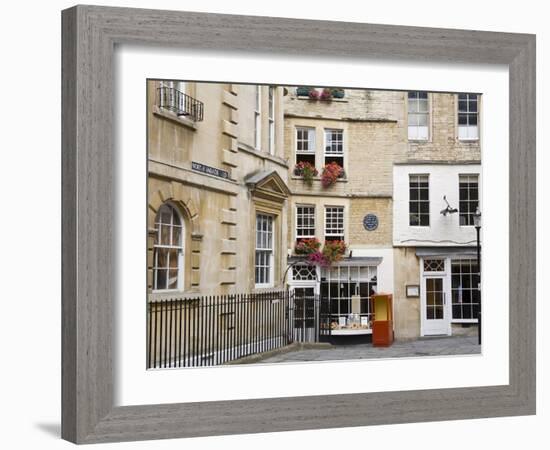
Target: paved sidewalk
{"points": [[421, 347]]}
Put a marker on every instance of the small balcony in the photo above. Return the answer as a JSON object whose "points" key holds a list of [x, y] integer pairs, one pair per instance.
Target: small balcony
{"points": [[180, 104]]}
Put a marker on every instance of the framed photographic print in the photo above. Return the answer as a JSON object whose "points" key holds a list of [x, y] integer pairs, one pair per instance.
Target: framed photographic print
{"points": [[246, 201]]}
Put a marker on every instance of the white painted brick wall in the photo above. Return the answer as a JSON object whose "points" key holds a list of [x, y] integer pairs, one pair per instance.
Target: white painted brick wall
{"points": [[443, 231]]}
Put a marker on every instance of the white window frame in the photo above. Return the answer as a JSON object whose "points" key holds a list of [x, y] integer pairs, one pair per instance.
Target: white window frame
{"points": [[180, 249], [331, 153], [419, 133], [310, 140], [471, 273], [309, 215], [470, 212], [467, 132], [258, 118], [418, 201], [271, 110], [341, 211], [269, 250]]}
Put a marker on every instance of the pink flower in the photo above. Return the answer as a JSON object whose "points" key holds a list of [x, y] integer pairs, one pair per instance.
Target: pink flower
{"points": [[331, 172], [314, 94]]}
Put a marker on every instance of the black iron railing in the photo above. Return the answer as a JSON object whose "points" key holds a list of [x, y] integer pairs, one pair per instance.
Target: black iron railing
{"points": [[213, 330], [179, 103]]}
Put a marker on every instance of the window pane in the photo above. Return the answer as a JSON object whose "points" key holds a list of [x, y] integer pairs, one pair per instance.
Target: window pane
{"points": [[174, 259], [423, 133], [173, 279], [423, 120], [165, 214], [423, 106], [176, 235], [161, 278], [430, 314], [161, 257], [423, 194]]}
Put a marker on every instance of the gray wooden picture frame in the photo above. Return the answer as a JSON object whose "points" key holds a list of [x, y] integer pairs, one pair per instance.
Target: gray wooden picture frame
{"points": [[90, 34]]}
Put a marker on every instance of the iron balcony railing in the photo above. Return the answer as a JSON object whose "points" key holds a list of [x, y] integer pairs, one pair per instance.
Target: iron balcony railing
{"points": [[179, 103]]}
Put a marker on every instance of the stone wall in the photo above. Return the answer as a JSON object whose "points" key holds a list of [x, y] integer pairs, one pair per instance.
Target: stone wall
{"points": [[218, 213], [406, 310], [443, 144], [358, 236]]}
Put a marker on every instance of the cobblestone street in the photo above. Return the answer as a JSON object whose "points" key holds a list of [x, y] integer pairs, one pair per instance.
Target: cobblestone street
{"points": [[422, 347]]}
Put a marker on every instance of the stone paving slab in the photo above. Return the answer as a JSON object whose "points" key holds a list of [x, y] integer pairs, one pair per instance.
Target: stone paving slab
{"points": [[421, 347]]}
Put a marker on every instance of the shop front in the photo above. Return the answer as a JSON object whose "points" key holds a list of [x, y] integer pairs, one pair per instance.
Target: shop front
{"points": [[343, 292], [449, 291]]}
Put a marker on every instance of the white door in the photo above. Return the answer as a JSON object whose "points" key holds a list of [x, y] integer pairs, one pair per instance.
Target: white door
{"points": [[435, 313]]}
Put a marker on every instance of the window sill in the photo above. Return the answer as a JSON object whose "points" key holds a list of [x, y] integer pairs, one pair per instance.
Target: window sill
{"points": [[173, 294], [335, 100], [165, 114], [339, 180]]}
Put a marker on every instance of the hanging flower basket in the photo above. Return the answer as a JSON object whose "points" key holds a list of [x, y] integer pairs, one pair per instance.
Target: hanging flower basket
{"points": [[307, 171], [331, 172], [334, 251], [318, 259], [307, 246]]}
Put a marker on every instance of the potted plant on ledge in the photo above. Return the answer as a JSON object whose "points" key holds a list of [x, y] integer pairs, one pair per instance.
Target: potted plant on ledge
{"points": [[307, 246], [303, 91], [337, 93], [331, 172], [307, 171], [333, 251], [326, 94]]}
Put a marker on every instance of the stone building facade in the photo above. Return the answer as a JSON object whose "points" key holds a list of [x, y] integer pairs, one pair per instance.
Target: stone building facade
{"points": [[215, 164], [359, 133], [222, 180], [436, 255]]}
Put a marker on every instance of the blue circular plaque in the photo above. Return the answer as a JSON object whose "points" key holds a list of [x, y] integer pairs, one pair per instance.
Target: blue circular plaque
{"points": [[370, 222]]}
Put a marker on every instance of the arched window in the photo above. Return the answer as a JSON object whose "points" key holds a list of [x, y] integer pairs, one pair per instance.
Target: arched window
{"points": [[168, 249]]}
